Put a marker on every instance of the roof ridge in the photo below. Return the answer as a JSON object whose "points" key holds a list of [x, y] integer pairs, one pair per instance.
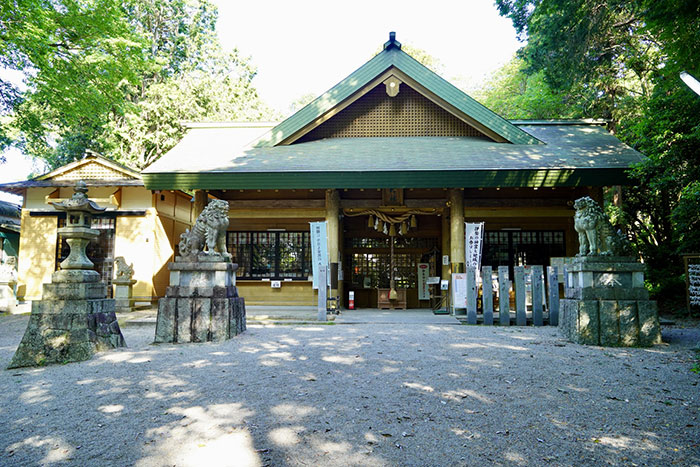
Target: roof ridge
{"points": [[393, 56]]}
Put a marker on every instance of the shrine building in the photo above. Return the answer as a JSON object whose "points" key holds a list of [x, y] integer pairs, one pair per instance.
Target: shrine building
{"points": [[394, 158], [393, 154]]}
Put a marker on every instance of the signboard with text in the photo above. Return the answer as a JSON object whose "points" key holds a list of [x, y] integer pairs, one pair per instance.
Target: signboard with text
{"points": [[319, 249], [459, 290], [423, 289]]}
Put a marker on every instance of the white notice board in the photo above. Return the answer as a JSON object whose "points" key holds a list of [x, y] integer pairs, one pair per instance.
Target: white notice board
{"points": [[459, 290]]}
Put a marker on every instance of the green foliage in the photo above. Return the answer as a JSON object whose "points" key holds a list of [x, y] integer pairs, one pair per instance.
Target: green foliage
{"points": [[626, 56], [599, 47], [116, 77], [78, 57], [512, 93], [221, 91]]}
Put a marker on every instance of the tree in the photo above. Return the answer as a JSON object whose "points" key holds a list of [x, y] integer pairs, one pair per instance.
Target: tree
{"points": [[221, 91], [513, 94], [596, 45], [78, 57], [95, 71], [630, 55]]}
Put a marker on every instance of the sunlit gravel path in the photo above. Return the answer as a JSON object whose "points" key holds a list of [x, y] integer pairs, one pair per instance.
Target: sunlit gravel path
{"points": [[356, 394]]}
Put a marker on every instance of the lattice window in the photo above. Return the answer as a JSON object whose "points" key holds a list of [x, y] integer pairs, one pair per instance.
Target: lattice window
{"points": [[522, 248], [376, 265], [377, 115], [270, 255], [100, 251]]}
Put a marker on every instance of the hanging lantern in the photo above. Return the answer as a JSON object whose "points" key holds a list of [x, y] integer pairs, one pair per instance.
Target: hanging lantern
{"points": [[414, 222], [403, 229], [370, 222], [392, 230]]}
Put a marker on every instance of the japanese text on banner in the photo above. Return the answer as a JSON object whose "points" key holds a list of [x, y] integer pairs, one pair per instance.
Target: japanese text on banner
{"points": [[319, 249], [474, 240]]}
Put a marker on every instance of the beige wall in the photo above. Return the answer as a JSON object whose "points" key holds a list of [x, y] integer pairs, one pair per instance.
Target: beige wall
{"points": [[134, 241], [294, 293], [174, 213], [146, 241], [37, 254]]}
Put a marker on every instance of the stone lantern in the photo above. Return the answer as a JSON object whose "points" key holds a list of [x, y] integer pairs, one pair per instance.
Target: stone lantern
{"points": [[75, 318]]}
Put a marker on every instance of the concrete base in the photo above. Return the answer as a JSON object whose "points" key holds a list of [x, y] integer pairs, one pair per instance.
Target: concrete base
{"points": [[606, 304], [201, 304], [68, 327]]}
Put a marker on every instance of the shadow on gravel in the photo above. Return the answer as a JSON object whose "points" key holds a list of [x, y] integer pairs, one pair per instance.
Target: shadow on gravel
{"points": [[354, 395]]}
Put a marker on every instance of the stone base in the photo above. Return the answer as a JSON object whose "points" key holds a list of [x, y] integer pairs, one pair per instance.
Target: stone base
{"points": [[606, 304], [62, 331], [610, 323], [201, 304], [183, 320], [123, 292]]}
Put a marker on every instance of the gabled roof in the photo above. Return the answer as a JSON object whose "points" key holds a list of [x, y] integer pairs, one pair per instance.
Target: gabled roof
{"points": [[393, 61], [572, 153], [91, 167]]}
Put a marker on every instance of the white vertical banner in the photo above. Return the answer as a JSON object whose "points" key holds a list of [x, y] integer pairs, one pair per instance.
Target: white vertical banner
{"points": [[474, 241], [319, 249], [423, 289]]}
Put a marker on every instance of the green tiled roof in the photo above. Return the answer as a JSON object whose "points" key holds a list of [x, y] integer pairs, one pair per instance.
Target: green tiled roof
{"points": [[387, 58], [578, 154]]}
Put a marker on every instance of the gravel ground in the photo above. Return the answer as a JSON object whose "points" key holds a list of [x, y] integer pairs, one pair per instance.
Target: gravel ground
{"points": [[356, 394]]}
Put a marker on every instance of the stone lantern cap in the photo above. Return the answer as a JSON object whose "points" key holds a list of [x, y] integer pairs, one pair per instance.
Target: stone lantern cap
{"points": [[79, 209]]}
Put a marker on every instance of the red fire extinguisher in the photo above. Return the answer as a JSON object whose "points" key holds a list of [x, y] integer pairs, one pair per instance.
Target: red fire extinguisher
{"points": [[351, 300]]}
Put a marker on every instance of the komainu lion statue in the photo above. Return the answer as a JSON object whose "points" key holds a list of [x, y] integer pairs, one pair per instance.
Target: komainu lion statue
{"points": [[124, 271], [209, 232], [595, 233]]}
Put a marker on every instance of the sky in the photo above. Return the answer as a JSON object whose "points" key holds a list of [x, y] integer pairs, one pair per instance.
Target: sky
{"points": [[307, 46]]}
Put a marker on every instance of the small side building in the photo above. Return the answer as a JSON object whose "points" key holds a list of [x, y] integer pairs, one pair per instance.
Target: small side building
{"points": [[141, 225]]}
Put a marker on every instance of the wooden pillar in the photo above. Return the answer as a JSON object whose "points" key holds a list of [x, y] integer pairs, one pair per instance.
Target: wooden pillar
{"points": [[445, 250], [445, 242], [457, 230], [334, 231], [200, 202]]}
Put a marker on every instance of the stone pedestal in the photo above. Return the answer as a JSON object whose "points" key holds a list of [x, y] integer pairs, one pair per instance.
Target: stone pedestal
{"points": [[123, 291], [73, 320], [606, 303], [8, 300], [202, 303]]}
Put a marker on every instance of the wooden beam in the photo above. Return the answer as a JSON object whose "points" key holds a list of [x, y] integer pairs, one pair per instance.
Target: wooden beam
{"points": [[476, 212], [517, 202], [277, 203], [319, 214], [437, 203]]}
